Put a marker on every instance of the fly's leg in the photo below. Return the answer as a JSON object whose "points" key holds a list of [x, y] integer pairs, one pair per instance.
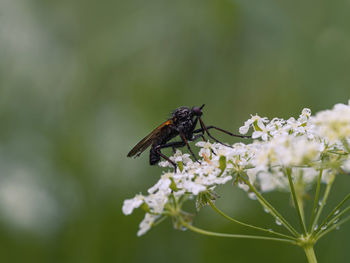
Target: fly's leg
{"points": [[188, 146], [173, 145], [206, 129], [201, 135], [222, 130], [158, 152]]}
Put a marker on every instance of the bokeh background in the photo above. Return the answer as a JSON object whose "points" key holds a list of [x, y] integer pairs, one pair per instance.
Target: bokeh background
{"points": [[82, 81]]}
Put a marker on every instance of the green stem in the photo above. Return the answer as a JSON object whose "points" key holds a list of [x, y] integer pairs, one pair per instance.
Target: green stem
{"points": [[210, 233], [324, 200], [346, 145], [270, 208], [174, 200], [159, 221], [288, 171], [310, 254], [300, 199], [332, 222], [247, 225], [334, 211], [334, 226], [317, 196]]}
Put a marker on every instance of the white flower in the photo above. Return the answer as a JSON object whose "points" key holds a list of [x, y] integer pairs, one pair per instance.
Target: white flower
{"points": [[270, 181], [263, 132], [253, 120], [162, 185], [146, 224], [327, 175], [333, 124], [294, 126], [206, 148], [193, 187], [178, 157], [346, 165], [156, 202], [243, 186], [308, 175], [130, 204], [305, 115]]}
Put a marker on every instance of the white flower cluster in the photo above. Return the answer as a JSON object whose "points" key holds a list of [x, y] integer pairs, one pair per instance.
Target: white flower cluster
{"points": [[305, 144], [193, 179], [333, 125]]}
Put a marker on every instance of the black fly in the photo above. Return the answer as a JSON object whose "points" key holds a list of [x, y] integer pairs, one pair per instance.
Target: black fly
{"points": [[183, 122]]}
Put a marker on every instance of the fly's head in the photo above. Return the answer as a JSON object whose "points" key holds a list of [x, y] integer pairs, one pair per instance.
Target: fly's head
{"points": [[197, 111]]}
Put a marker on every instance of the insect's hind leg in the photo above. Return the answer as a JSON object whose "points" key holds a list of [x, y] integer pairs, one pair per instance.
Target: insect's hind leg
{"points": [[155, 155], [155, 152]]}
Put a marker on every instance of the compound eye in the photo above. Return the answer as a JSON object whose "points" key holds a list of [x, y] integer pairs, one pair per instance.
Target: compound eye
{"points": [[197, 111]]}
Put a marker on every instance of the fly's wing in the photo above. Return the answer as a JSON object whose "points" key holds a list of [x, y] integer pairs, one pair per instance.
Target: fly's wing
{"points": [[148, 140]]}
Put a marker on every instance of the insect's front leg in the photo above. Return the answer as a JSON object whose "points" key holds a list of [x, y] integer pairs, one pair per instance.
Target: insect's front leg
{"points": [[194, 130], [206, 128], [182, 135], [194, 124], [195, 137]]}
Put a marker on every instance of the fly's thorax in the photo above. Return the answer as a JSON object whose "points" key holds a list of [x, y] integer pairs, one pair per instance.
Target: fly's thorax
{"points": [[182, 115], [185, 126]]}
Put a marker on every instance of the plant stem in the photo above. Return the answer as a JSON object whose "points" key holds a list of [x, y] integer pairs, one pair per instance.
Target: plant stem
{"points": [[310, 254], [288, 171], [346, 145], [300, 199], [334, 211], [317, 196], [333, 223], [210, 233], [247, 225], [324, 199], [335, 226], [159, 221], [271, 209]]}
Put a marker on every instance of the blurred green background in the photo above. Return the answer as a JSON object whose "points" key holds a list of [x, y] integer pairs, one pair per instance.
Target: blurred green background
{"points": [[82, 81]]}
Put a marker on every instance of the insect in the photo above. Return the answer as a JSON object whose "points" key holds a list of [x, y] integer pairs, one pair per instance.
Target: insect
{"points": [[182, 123]]}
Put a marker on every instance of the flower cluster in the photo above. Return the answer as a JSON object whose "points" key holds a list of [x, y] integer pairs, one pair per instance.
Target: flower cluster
{"points": [[333, 125], [306, 145]]}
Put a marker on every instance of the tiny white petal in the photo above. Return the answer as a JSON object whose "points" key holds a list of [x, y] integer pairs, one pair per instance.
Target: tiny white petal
{"points": [[146, 224], [130, 204], [244, 129]]}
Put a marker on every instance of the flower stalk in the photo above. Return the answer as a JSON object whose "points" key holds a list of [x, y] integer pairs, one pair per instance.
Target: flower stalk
{"points": [[324, 200], [316, 200], [271, 209], [288, 172], [310, 254], [270, 231], [335, 211], [215, 234]]}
